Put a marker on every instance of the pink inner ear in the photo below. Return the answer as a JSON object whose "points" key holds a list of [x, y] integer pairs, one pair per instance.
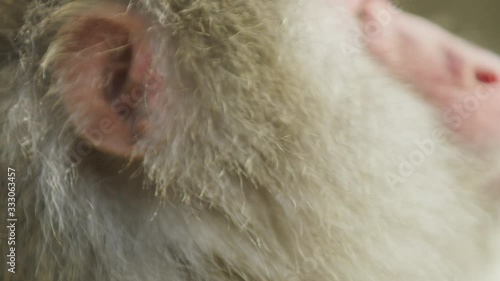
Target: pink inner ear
{"points": [[457, 77], [106, 72]]}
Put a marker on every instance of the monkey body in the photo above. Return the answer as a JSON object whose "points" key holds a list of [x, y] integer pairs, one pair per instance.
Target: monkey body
{"points": [[271, 154]]}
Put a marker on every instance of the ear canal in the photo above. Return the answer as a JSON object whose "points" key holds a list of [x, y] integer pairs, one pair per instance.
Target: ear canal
{"points": [[117, 71], [102, 66]]}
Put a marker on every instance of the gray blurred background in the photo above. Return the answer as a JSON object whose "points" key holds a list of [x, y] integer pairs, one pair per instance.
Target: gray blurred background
{"points": [[475, 20]]}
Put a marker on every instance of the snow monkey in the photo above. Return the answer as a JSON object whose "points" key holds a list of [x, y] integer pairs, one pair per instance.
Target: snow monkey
{"points": [[244, 140]]}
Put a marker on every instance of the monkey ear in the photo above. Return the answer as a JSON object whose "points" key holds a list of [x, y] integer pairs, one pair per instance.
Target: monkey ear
{"points": [[102, 61]]}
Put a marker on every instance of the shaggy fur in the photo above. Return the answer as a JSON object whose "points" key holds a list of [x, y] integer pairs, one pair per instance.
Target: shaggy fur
{"points": [[270, 163]]}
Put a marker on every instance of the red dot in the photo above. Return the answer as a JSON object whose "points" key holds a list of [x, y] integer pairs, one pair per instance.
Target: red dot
{"points": [[486, 76]]}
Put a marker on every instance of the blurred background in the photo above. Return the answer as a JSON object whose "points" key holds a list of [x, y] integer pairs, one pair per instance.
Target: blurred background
{"points": [[475, 20]]}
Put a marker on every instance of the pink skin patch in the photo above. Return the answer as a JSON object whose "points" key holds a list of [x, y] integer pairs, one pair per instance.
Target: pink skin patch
{"points": [[457, 77]]}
